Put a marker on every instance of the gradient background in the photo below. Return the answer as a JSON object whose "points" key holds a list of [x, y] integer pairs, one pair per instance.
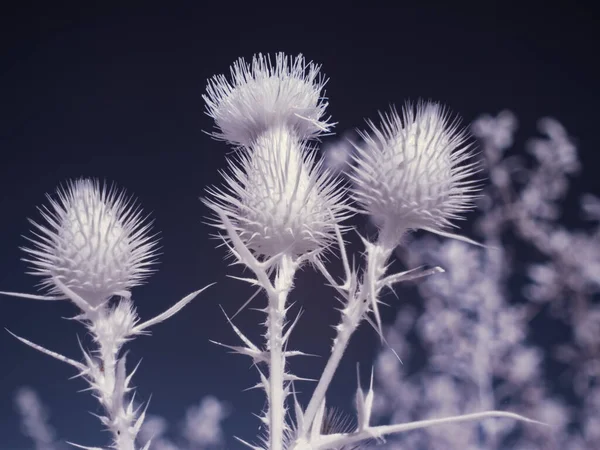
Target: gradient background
{"points": [[115, 93]]}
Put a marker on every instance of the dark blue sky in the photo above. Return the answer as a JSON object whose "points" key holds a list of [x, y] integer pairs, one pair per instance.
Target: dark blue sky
{"points": [[115, 93]]}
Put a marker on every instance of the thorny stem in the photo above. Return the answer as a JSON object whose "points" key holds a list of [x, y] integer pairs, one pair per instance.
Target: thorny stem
{"points": [[112, 395], [354, 312], [120, 425], [276, 309], [276, 321], [111, 328]]}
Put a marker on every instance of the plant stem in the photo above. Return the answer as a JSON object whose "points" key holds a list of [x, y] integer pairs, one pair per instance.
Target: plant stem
{"points": [[112, 386], [276, 321], [354, 312], [113, 401]]}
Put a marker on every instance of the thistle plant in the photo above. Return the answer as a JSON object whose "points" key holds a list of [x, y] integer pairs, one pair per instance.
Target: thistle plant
{"points": [[94, 245], [280, 209], [481, 344]]}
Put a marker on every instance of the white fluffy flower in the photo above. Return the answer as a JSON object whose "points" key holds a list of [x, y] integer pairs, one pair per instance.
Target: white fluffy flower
{"points": [[413, 172], [95, 241], [261, 95], [279, 198]]}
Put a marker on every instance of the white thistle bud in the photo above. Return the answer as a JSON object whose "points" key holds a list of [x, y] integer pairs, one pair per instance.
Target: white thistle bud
{"points": [[261, 96], [279, 198], [95, 241], [413, 173]]}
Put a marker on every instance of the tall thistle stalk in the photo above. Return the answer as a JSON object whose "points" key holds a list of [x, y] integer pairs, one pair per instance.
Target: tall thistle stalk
{"points": [[279, 209], [277, 206], [95, 245]]}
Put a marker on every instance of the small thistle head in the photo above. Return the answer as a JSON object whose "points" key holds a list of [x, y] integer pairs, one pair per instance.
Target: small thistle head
{"points": [[261, 95], [95, 241], [114, 325], [413, 172], [279, 198]]}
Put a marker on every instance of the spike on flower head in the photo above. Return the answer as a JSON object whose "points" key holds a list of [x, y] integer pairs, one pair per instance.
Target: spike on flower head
{"points": [[95, 241], [280, 198], [262, 95], [413, 171]]}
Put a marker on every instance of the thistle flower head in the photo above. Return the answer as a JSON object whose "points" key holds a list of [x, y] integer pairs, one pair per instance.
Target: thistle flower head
{"points": [[279, 198], [95, 241], [413, 172], [261, 95]]}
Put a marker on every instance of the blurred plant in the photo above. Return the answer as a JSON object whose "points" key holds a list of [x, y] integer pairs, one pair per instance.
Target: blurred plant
{"points": [[94, 246], [482, 346], [337, 154], [34, 420], [280, 209], [202, 423], [201, 428]]}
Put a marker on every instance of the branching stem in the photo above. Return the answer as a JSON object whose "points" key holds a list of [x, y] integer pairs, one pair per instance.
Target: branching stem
{"points": [[357, 306]]}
